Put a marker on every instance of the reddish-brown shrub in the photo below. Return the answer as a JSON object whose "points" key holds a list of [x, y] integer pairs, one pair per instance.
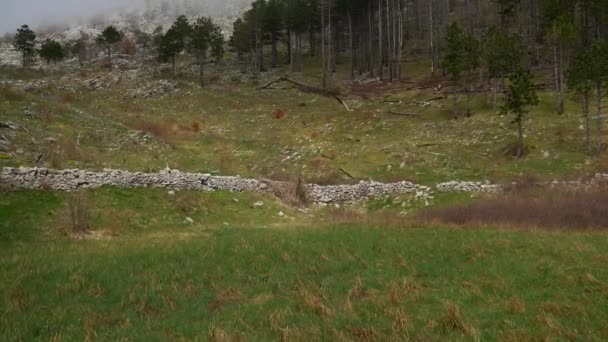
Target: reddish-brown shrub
{"points": [[552, 209]]}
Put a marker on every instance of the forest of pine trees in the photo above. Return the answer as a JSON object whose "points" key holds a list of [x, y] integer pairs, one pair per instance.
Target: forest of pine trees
{"points": [[380, 35]]}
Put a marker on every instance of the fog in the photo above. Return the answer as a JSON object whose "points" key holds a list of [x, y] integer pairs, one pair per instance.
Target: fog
{"points": [[36, 13]]}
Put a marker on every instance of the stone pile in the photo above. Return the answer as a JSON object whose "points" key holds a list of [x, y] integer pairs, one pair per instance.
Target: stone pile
{"points": [[461, 186], [363, 191], [26, 86], [157, 89]]}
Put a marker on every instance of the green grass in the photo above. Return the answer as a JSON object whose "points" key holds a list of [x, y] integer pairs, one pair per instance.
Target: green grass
{"points": [[266, 277]]}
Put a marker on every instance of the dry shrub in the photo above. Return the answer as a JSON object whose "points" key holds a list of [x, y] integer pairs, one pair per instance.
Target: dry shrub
{"points": [[214, 78], [127, 47], [220, 335], [514, 305], [551, 210], [363, 334], [195, 126], [161, 130], [57, 154], [223, 298], [278, 114], [454, 322], [66, 97], [314, 302], [79, 213], [46, 115], [291, 192]]}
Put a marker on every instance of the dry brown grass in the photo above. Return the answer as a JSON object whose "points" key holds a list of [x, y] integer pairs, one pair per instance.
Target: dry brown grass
{"points": [[292, 192], [62, 151], [548, 210], [453, 321], [223, 298], [164, 131]]}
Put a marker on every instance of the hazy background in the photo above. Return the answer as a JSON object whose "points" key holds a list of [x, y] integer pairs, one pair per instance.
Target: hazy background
{"points": [[36, 13], [14, 13]]}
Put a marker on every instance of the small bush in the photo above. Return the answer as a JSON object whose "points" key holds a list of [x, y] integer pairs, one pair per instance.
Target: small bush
{"points": [[160, 130]]}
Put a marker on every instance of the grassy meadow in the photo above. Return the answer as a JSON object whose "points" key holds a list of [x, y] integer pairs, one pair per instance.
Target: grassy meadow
{"points": [[239, 272]]}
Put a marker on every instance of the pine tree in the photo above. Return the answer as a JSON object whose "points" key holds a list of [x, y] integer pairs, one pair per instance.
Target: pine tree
{"points": [[205, 37], [25, 42], [502, 55], [109, 37], [273, 24], [51, 51], [520, 95], [462, 57], [171, 44]]}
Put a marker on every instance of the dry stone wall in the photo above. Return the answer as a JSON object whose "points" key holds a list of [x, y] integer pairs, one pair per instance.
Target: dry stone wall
{"points": [[69, 180]]}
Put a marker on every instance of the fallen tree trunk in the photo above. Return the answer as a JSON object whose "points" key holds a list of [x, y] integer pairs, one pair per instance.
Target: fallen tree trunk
{"points": [[307, 89]]}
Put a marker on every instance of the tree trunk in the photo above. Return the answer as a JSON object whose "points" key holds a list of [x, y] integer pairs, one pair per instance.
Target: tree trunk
{"points": [[312, 42], [380, 40], [520, 130], [494, 95], [599, 116], [110, 58], [431, 39], [587, 121], [370, 40], [274, 50], [352, 52], [173, 66], [562, 79], [201, 73], [289, 52], [323, 46]]}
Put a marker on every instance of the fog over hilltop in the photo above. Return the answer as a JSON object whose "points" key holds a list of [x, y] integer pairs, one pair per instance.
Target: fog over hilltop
{"points": [[40, 13]]}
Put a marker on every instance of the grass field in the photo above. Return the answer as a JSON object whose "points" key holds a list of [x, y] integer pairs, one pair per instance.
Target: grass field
{"points": [[238, 272]]}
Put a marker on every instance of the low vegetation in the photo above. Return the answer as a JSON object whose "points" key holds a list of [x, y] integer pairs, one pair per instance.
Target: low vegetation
{"points": [[237, 271], [570, 210]]}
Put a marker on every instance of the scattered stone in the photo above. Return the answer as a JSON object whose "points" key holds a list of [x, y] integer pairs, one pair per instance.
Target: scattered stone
{"points": [[460, 186], [171, 193], [189, 220], [160, 88], [258, 204], [8, 125]]}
